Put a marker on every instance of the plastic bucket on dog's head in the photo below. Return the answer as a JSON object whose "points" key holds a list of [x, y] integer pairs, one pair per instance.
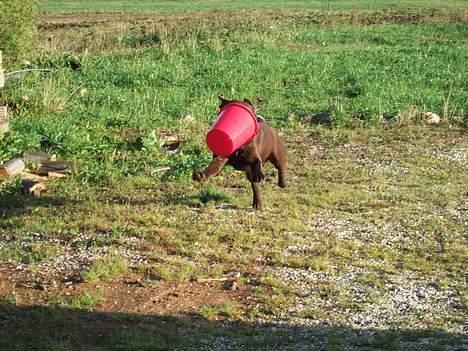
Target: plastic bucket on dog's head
{"points": [[235, 126]]}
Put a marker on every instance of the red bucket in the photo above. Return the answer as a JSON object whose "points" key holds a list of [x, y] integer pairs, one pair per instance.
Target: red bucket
{"points": [[235, 126]]}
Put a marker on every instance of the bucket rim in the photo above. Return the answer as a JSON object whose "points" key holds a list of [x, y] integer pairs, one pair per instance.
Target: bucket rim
{"points": [[249, 110]]}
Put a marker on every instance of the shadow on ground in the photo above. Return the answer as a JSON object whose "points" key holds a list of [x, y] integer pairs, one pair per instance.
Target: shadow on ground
{"points": [[56, 328], [16, 205]]}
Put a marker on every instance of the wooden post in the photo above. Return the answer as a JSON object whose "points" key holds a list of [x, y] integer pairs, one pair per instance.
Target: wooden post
{"points": [[4, 127], [2, 73]]}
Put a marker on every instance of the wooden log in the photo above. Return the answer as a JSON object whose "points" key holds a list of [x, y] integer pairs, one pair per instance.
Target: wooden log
{"points": [[56, 166], [11, 167], [32, 177], [3, 113], [56, 175], [33, 187], [37, 156], [4, 125]]}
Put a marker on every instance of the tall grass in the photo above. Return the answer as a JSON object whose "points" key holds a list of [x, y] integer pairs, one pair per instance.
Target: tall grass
{"points": [[187, 5], [17, 29], [112, 114]]}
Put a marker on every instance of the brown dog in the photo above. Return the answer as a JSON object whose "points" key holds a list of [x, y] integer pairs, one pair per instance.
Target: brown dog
{"points": [[266, 146]]}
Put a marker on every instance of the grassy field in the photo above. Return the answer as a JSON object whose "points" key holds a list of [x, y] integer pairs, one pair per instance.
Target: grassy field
{"points": [[364, 249], [236, 5]]}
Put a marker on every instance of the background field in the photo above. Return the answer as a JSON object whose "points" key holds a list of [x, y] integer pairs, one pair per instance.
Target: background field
{"points": [[366, 247], [187, 5]]}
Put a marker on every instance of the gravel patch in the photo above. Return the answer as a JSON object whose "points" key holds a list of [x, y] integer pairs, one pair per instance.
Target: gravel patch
{"points": [[407, 299], [74, 256], [389, 234], [456, 155]]}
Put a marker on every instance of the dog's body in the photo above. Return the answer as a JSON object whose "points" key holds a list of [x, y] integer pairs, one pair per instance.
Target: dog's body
{"points": [[266, 146]]}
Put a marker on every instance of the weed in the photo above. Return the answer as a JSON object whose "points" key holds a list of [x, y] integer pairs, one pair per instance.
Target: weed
{"points": [[28, 253], [227, 309], [105, 268], [12, 298], [86, 300], [166, 272], [230, 310], [208, 312]]}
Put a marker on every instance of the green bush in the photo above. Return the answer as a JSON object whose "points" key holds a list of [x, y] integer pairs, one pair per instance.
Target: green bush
{"points": [[17, 29]]}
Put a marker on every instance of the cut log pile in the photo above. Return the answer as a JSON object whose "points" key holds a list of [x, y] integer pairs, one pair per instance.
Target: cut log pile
{"points": [[35, 169]]}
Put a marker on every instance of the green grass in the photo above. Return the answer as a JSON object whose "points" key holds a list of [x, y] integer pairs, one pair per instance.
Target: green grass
{"points": [[87, 300], [385, 200], [105, 268], [112, 127], [210, 5], [228, 309]]}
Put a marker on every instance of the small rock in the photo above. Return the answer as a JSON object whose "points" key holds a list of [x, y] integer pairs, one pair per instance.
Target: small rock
{"points": [[324, 117], [432, 118], [230, 285]]}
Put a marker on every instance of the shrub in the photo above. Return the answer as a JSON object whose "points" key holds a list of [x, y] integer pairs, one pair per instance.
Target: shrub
{"points": [[17, 29]]}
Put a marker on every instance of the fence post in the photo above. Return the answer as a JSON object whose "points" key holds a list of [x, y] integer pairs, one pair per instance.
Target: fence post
{"points": [[4, 127]]}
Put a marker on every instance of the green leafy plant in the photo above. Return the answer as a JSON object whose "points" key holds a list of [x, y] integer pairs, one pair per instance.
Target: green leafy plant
{"points": [[17, 29]]}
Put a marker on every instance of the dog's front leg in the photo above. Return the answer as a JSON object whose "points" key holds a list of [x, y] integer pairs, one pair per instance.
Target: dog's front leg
{"points": [[257, 200], [213, 169], [254, 175], [257, 171]]}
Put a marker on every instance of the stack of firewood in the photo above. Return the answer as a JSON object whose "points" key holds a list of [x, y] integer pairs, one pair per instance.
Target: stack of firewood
{"points": [[36, 167]]}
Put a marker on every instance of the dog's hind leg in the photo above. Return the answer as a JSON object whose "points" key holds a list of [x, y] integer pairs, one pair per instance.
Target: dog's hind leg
{"points": [[278, 158], [213, 169]]}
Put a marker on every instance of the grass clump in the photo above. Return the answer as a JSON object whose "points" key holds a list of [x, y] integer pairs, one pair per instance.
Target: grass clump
{"points": [[17, 29], [228, 309], [29, 253], [105, 268], [87, 300], [167, 272]]}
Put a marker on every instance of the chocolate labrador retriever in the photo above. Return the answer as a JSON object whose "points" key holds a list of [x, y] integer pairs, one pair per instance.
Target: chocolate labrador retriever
{"points": [[266, 146]]}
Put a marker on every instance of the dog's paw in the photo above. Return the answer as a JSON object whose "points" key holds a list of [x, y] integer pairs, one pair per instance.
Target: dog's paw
{"points": [[257, 206], [198, 176]]}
